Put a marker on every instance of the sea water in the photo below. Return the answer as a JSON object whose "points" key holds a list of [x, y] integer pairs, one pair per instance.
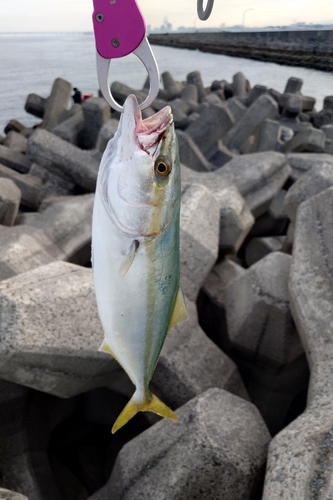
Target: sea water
{"points": [[29, 63]]}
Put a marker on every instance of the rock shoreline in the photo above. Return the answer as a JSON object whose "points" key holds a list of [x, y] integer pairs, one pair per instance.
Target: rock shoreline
{"points": [[249, 375], [312, 50]]}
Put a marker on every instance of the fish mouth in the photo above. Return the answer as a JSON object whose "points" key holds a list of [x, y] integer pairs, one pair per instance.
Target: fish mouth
{"points": [[148, 131]]}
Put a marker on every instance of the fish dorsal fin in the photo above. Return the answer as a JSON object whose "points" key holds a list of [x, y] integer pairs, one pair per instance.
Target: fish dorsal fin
{"points": [[179, 311], [129, 259]]}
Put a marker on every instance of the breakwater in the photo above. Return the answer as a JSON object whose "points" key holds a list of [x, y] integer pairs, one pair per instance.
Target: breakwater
{"points": [[310, 49]]}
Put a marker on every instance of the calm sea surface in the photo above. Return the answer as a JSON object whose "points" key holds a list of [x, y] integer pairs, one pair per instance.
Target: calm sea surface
{"points": [[29, 63]]}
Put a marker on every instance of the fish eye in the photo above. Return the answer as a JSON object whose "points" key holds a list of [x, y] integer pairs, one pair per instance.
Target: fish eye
{"points": [[162, 168]]}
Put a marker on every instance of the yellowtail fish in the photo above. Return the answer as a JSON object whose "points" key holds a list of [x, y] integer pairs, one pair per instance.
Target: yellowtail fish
{"points": [[135, 248]]}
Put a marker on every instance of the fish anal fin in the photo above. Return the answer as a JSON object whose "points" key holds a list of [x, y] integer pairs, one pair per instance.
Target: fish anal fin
{"points": [[179, 311], [106, 348], [129, 259], [151, 403]]}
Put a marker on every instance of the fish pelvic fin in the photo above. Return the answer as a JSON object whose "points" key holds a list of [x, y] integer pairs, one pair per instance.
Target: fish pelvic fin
{"points": [[179, 313], [151, 403]]}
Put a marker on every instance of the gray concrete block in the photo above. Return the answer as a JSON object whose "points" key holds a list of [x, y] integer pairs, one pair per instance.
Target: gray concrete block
{"points": [[172, 87], [259, 111], [328, 102], [258, 316], [235, 218], [159, 104], [10, 197], [310, 288], [258, 248], [309, 184], [213, 98], [256, 92], [220, 276], [307, 102], [293, 105], [190, 155], [11, 495], [237, 108], [289, 241], [35, 105], [275, 94], [293, 85], [189, 94], [57, 103], [60, 232], [219, 155], [51, 332], [324, 117], [199, 224], [328, 146], [275, 221], [268, 136], [67, 222], [31, 187], [239, 85], [221, 438], [96, 112], [300, 163], [258, 176], [16, 142], [14, 160], [190, 363], [194, 78], [17, 469], [70, 129], [23, 250], [286, 134], [120, 92], [299, 464], [328, 131], [64, 159], [106, 133], [215, 121], [210, 303], [179, 115]]}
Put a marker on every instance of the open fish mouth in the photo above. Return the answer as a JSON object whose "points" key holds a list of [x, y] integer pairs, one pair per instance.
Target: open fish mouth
{"points": [[148, 131]]}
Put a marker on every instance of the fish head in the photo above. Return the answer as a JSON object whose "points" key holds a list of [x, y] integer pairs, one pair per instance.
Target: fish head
{"points": [[139, 177]]}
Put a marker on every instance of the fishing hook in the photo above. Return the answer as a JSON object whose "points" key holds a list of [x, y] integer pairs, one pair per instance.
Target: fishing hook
{"points": [[204, 13]]}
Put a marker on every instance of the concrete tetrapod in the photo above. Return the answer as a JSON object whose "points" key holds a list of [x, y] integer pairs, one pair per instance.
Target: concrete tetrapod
{"points": [[264, 340], [51, 331], [62, 231], [216, 450], [235, 218], [301, 456], [199, 222], [318, 179], [11, 495]]}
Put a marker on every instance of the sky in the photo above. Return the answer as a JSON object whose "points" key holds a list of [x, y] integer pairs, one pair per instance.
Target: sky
{"points": [[75, 15]]}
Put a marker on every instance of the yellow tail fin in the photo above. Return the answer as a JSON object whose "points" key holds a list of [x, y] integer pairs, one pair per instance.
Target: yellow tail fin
{"points": [[152, 403]]}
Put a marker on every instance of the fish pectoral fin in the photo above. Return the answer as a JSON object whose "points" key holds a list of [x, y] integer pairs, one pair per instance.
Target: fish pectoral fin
{"points": [[151, 403], [179, 311], [129, 258]]}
